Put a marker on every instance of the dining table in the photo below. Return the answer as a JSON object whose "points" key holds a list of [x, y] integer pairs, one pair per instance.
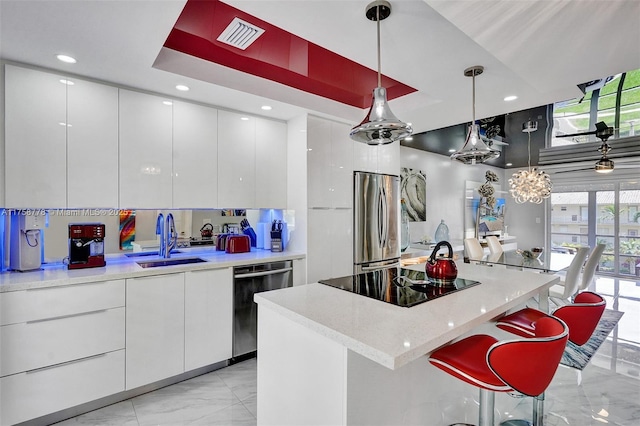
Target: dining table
{"points": [[547, 262]]}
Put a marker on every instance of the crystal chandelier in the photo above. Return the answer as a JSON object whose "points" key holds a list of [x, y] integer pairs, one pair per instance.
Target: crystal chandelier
{"points": [[530, 185], [380, 126]]}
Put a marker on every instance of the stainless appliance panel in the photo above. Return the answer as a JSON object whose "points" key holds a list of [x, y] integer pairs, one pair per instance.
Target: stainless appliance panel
{"points": [[376, 217], [247, 281]]}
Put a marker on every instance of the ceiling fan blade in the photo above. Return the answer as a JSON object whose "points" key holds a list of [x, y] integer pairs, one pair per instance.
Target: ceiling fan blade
{"points": [[574, 170], [627, 166]]}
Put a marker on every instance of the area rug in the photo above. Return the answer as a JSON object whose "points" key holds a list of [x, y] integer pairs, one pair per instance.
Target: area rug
{"points": [[578, 356]]}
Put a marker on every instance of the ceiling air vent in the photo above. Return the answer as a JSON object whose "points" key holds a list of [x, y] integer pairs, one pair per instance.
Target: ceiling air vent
{"points": [[240, 34]]}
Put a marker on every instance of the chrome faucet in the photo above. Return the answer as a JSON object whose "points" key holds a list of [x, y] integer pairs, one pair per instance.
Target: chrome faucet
{"points": [[160, 224], [170, 235]]}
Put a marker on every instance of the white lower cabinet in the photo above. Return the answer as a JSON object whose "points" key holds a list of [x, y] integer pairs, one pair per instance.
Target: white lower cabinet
{"points": [[36, 393], [31, 345], [208, 300], [155, 328], [60, 347]]}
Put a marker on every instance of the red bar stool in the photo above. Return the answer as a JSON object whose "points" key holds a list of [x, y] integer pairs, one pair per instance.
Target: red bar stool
{"points": [[525, 365], [582, 317]]}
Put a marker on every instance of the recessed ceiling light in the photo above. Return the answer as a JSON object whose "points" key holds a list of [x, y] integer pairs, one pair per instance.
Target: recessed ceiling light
{"points": [[266, 107], [509, 164], [167, 102], [510, 98], [244, 118], [452, 150], [182, 87], [66, 58], [408, 138], [67, 82]]}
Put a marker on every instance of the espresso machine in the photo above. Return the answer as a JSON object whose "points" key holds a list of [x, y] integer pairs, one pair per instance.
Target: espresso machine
{"points": [[26, 240], [86, 245]]}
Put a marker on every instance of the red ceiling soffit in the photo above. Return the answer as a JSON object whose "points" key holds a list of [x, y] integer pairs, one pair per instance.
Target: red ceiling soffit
{"points": [[276, 55]]}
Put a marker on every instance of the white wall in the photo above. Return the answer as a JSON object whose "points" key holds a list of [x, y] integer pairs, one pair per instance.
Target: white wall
{"points": [[445, 190]]}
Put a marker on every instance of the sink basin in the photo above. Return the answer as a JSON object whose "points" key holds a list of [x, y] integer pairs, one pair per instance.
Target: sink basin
{"points": [[169, 262], [147, 253]]}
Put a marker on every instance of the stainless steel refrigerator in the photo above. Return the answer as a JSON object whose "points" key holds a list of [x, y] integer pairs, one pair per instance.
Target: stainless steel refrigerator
{"points": [[376, 221]]}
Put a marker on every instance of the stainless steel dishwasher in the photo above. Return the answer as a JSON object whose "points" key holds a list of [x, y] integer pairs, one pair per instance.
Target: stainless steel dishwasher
{"points": [[247, 281]]}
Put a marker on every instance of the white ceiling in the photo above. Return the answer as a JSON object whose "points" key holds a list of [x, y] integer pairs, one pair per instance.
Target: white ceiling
{"points": [[537, 50]]}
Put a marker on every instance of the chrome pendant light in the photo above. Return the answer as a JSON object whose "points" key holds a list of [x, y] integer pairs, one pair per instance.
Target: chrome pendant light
{"points": [[380, 126], [474, 150], [530, 185]]}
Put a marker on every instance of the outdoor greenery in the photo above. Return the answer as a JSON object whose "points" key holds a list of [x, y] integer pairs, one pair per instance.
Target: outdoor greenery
{"points": [[629, 109]]}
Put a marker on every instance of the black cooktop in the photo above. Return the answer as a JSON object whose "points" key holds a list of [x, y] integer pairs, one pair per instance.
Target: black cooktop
{"points": [[398, 286]]}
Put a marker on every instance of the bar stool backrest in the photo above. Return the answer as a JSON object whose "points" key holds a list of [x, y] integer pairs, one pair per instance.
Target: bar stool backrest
{"points": [[582, 316], [572, 279], [494, 244], [473, 249], [590, 266], [537, 358]]}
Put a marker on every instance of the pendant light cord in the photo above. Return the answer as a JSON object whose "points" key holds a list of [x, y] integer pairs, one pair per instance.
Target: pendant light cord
{"points": [[473, 97], [529, 149], [378, 26]]}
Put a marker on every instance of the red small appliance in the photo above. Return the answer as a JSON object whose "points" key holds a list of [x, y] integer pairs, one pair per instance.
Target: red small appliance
{"points": [[86, 245]]}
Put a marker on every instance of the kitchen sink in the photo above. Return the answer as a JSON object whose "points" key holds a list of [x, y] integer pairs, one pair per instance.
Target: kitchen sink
{"points": [[169, 262], [147, 253]]}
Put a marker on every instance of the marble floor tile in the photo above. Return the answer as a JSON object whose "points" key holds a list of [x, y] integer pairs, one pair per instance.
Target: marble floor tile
{"points": [[236, 415], [183, 402]]}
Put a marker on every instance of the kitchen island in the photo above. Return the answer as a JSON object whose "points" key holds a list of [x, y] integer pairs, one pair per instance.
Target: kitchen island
{"points": [[331, 357]]}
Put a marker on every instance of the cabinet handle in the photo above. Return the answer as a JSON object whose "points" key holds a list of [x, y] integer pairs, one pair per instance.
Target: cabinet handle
{"points": [[75, 361], [320, 208], [67, 316], [66, 285], [263, 273]]}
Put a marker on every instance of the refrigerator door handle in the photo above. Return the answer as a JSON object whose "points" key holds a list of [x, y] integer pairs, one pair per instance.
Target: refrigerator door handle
{"points": [[380, 267], [385, 216], [380, 219]]}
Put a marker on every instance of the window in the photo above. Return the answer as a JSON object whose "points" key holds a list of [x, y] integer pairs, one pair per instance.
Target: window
{"points": [[632, 232], [617, 103], [574, 218], [563, 208]]}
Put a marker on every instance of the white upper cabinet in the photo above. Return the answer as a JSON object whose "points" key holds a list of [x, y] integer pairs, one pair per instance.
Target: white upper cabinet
{"points": [[377, 158], [236, 160], [329, 164], [195, 156], [92, 145], [35, 139], [271, 164], [318, 160], [341, 166], [145, 151]]}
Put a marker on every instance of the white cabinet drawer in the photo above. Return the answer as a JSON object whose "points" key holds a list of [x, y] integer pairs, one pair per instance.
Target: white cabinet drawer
{"points": [[29, 395], [51, 302], [37, 344]]}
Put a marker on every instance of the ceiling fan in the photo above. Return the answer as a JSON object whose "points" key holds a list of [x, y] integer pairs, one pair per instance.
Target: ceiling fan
{"points": [[604, 164]]}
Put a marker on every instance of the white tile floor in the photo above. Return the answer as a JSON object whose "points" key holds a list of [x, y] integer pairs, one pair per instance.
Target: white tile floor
{"points": [[607, 391], [223, 397]]}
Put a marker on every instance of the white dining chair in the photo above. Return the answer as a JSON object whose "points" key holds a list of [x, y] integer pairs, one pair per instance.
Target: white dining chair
{"points": [[590, 266], [472, 249], [561, 293], [494, 244]]}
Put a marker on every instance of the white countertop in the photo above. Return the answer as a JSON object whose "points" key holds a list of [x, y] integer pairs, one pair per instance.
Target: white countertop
{"points": [[120, 266], [394, 336]]}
